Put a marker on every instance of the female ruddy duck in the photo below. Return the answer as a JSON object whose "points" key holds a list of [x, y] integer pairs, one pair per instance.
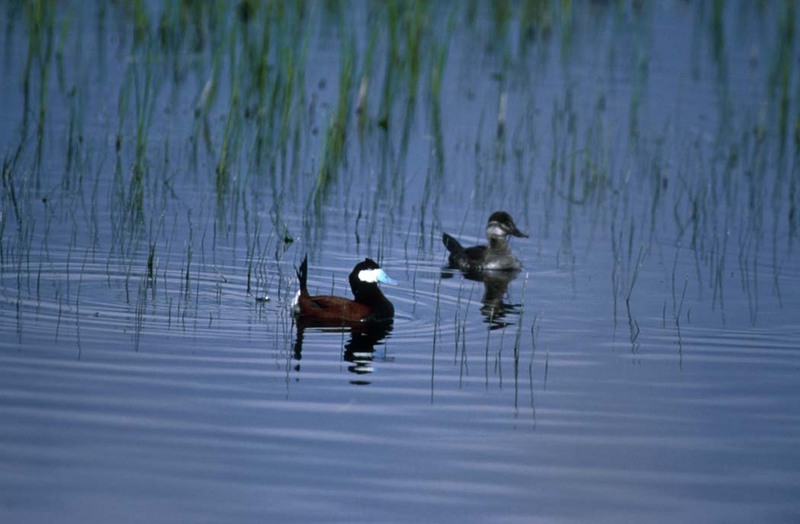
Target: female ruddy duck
{"points": [[369, 304], [496, 256]]}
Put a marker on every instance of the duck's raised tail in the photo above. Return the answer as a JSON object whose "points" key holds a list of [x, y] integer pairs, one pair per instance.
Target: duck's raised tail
{"points": [[302, 274], [452, 245]]}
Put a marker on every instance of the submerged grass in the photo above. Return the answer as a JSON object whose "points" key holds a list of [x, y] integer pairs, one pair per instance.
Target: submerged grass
{"points": [[264, 134], [333, 146], [40, 19]]}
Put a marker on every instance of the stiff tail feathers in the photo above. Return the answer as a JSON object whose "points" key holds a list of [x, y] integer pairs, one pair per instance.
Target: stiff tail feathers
{"points": [[302, 274], [452, 245]]}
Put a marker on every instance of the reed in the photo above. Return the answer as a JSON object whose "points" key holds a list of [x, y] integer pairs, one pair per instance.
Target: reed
{"points": [[253, 128], [367, 67], [436, 75], [333, 148], [518, 334], [78, 304], [781, 73], [9, 190], [150, 275], [536, 18], [436, 333], [39, 16], [230, 138], [717, 35]]}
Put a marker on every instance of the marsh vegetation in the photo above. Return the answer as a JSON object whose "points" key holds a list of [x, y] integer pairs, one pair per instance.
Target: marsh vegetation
{"points": [[165, 167]]}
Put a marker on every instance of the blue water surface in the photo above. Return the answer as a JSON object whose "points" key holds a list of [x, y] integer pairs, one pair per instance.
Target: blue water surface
{"points": [[167, 167]]}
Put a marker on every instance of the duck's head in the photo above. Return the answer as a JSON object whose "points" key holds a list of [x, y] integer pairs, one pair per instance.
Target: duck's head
{"points": [[367, 274], [500, 225]]}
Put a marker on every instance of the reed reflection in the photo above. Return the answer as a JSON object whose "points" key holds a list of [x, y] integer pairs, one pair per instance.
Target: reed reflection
{"points": [[358, 351]]}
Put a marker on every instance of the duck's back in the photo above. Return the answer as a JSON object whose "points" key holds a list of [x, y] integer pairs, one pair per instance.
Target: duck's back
{"points": [[332, 308], [469, 259], [479, 258]]}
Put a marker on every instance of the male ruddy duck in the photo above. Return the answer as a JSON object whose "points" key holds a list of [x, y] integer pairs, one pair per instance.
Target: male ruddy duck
{"points": [[496, 256], [369, 305]]}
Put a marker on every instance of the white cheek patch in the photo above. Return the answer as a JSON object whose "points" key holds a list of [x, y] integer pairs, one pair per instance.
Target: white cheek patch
{"points": [[368, 275], [375, 275], [495, 230]]}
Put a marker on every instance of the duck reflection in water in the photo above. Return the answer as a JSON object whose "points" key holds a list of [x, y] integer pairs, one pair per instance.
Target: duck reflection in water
{"points": [[359, 350], [492, 264], [495, 288]]}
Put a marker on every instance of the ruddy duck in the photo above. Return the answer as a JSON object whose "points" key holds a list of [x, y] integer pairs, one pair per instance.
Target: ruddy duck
{"points": [[496, 256], [369, 305]]}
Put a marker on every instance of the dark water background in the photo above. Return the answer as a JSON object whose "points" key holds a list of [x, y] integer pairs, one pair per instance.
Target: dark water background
{"points": [[166, 167]]}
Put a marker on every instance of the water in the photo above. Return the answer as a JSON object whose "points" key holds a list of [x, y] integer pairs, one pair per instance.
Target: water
{"points": [[644, 367]]}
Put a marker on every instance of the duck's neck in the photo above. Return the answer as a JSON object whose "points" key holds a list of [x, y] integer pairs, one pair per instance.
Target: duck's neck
{"points": [[498, 244], [370, 295], [373, 297]]}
